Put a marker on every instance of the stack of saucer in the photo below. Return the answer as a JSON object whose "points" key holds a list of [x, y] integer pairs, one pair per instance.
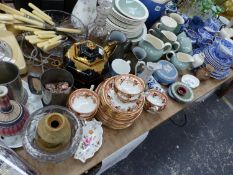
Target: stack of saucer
{"points": [[181, 92], [121, 101], [128, 16], [220, 56]]}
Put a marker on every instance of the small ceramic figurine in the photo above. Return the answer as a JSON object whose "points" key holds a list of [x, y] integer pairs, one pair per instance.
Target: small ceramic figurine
{"points": [[13, 115]]}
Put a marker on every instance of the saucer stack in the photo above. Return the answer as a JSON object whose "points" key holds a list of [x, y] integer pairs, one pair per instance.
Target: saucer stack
{"points": [[121, 101], [128, 16], [221, 58], [181, 92]]}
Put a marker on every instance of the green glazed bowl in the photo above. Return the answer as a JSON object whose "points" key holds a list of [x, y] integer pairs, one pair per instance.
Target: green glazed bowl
{"points": [[132, 8]]}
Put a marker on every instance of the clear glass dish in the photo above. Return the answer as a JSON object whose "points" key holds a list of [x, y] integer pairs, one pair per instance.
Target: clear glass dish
{"points": [[30, 134]]}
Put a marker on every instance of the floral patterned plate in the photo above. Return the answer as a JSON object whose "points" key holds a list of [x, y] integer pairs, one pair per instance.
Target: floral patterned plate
{"points": [[91, 140]]}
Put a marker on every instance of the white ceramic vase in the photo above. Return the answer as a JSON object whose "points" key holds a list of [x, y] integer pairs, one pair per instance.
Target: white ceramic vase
{"points": [[86, 11]]}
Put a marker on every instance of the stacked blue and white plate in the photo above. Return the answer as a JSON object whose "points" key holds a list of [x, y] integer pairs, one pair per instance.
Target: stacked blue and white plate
{"points": [[128, 16], [220, 56]]}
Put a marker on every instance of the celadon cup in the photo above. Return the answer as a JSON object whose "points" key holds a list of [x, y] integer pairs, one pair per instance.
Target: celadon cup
{"points": [[155, 48], [167, 23], [180, 21], [171, 38]]}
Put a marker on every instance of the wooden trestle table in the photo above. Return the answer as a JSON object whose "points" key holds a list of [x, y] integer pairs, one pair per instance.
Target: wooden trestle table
{"points": [[115, 139]]}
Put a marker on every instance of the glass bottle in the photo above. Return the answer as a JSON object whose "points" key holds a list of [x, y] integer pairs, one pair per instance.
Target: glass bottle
{"points": [[97, 30]]}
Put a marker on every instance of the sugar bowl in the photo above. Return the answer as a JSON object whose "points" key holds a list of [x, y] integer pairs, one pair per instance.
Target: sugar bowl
{"points": [[129, 87], [155, 101], [84, 103]]}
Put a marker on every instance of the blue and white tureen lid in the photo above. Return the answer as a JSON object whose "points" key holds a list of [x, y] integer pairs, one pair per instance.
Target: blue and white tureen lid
{"points": [[168, 73]]}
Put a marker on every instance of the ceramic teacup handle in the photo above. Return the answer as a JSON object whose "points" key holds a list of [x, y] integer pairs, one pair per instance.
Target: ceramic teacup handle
{"points": [[137, 65], [167, 47], [169, 55], [176, 46], [92, 87], [151, 31]]}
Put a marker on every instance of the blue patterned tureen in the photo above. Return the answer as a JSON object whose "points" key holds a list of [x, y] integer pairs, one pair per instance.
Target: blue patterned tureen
{"points": [[167, 75]]}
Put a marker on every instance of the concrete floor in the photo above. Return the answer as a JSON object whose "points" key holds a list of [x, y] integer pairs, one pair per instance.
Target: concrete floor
{"points": [[204, 146]]}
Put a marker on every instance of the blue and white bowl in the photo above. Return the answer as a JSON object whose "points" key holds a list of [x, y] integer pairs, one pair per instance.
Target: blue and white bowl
{"points": [[213, 25], [225, 49]]}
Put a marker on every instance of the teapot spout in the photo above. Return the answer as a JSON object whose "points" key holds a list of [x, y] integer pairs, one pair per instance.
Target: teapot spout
{"points": [[110, 47]]}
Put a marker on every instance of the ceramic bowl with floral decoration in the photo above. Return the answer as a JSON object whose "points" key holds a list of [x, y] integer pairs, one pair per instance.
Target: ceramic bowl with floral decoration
{"points": [[84, 103], [112, 100], [129, 87], [155, 101]]}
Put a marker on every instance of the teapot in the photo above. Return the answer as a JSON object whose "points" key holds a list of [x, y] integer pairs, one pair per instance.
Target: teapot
{"points": [[88, 62]]}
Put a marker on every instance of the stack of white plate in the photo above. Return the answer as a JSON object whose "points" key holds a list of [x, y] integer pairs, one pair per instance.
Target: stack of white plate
{"points": [[128, 16]]}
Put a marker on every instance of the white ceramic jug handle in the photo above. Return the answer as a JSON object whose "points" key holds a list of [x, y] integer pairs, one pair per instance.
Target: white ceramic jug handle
{"points": [[167, 47], [137, 65], [177, 45]]}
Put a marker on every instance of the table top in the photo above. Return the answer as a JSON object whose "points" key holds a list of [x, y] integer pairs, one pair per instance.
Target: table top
{"points": [[115, 139]]}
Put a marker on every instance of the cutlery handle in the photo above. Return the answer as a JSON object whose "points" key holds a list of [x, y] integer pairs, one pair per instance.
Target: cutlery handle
{"points": [[39, 10], [10, 10], [59, 37], [30, 14], [24, 28], [68, 30], [44, 32], [30, 21], [52, 45], [39, 15], [46, 36], [6, 17]]}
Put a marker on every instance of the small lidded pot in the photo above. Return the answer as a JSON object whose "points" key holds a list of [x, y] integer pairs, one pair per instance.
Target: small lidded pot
{"points": [[155, 101], [84, 103], [129, 87]]}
